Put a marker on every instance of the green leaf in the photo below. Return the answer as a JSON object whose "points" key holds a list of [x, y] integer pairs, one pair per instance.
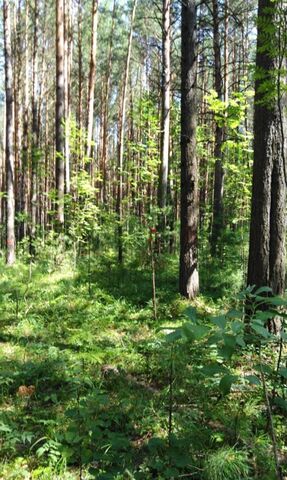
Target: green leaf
{"points": [[265, 368], [234, 314], [174, 336], [194, 332], [265, 316], [281, 403], [214, 369], [220, 321], [229, 341], [278, 301], [262, 331], [226, 352], [240, 341], [237, 326], [253, 379], [190, 312], [214, 339], [283, 372], [263, 290], [226, 383]]}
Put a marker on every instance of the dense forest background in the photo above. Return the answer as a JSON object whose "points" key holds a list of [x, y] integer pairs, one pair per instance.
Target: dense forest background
{"points": [[142, 234]]}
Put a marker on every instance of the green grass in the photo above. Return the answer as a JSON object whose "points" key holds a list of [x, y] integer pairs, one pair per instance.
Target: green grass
{"points": [[101, 370]]}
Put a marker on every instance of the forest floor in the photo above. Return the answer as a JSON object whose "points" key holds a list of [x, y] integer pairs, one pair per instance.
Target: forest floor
{"points": [[90, 388]]}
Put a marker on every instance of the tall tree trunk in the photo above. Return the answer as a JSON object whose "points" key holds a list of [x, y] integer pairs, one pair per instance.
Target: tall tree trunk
{"points": [[165, 116], [226, 51], [9, 145], [266, 264], [217, 223], [25, 140], [92, 78], [35, 126], [80, 84], [121, 136], [67, 75], [60, 109], [18, 109], [188, 277], [106, 106]]}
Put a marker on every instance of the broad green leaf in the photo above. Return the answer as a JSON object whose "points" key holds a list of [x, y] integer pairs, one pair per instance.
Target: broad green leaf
{"points": [[214, 369], [226, 383], [265, 316], [263, 290], [220, 321], [283, 372], [229, 341], [262, 331], [253, 379], [214, 339], [226, 352], [265, 368], [174, 336], [281, 403], [278, 301], [234, 314], [237, 326], [240, 341], [194, 332], [190, 312]]}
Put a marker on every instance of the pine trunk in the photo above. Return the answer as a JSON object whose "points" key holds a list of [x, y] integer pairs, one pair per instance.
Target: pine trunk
{"points": [[60, 109], [9, 144], [188, 280], [266, 265]]}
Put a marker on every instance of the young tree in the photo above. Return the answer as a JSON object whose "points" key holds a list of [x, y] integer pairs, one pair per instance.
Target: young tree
{"points": [[9, 143], [188, 277], [60, 109], [266, 266]]}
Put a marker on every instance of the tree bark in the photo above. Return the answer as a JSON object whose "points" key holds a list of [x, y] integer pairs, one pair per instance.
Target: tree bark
{"points": [[188, 278], [92, 78], [25, 140], [67, 75], [60, 109], [35, 126], [121, 136], [218, 187], [266, 266], [106, 107], [165, 115], [9, 145]]}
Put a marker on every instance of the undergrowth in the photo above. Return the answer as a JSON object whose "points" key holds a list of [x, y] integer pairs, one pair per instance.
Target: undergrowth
{"points": [[109, 398]]}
